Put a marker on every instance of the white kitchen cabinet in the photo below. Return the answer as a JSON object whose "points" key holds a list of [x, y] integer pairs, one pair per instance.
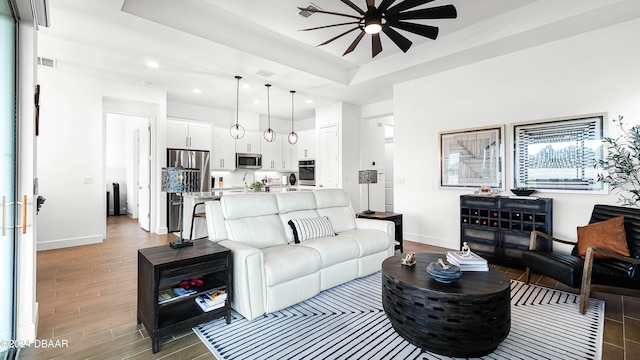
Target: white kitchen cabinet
{"points": [[249, 143], [277, 155], [223, 149], [200, 136], [289, 156], [272, 154], [188, 135], [306, 146]]}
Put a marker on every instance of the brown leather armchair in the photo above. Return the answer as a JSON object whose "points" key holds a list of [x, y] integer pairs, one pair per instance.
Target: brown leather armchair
{"points": [[616, 274]]}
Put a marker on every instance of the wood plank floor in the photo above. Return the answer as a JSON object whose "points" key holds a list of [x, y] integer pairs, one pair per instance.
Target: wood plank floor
{"points": [[87, 296]]}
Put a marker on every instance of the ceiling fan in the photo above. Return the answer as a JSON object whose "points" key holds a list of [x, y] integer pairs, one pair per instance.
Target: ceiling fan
{"points": [[386, 17]]}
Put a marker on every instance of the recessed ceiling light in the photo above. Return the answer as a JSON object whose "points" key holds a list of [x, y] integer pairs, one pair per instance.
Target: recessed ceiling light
{"points": [[246, 86], [197, 91], [153, 64], [256, 101], [309, 101]]}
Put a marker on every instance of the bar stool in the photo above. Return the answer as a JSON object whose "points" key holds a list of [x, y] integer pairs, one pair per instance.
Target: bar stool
{"points": [[195, 215]]}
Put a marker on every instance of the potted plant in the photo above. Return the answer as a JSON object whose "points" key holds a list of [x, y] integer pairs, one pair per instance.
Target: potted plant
{"points": [[256, 186], [620, 164]]}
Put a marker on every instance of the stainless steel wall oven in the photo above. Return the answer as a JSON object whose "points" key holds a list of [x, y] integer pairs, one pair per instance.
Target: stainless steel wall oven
{"points": [[307, 172]]}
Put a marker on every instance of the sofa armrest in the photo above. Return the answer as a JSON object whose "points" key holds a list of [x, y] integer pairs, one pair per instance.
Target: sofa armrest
{"points": [[386, 226], [248, 288], [534, 237]]}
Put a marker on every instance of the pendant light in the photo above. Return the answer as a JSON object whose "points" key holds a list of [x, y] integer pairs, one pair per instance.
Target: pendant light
{"points": [[269, 134], [237, 131], [293, 137]]}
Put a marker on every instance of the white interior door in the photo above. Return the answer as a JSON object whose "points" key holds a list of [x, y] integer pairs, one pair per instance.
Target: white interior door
{"points": [[327, 164], [144, 177]]}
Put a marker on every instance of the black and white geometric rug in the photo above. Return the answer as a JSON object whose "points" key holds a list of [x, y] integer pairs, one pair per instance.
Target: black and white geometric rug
{"points": [[348, 322]]}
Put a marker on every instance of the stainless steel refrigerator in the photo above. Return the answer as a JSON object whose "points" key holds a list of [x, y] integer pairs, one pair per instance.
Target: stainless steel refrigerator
{"points": [[188, 159]]}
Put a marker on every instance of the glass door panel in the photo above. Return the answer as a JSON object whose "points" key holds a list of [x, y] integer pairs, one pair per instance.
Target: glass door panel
{"points": [[8, 173]]}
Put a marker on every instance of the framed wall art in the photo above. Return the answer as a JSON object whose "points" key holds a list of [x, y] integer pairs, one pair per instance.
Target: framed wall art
{"points": [[559, 154], [472, 158]]}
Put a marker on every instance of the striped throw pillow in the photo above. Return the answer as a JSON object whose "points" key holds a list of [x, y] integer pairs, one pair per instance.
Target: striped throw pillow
{"points": [[310, 228]]}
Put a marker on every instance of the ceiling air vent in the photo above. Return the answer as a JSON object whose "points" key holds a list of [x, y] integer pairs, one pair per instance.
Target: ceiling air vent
{"points": [[305, 13], [47, 62], [265, 73]]}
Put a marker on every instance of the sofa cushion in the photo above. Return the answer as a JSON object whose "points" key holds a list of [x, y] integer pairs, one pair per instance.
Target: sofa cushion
{"points": [[333, 249], [257, 231], [310, 228], [295, 201], [342, 218], [609, 235], [238, 206], [369, 241], [287, 262]]}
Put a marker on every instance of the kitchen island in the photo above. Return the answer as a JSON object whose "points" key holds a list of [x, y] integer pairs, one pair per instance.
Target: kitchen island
{"points": [[200, 225]]}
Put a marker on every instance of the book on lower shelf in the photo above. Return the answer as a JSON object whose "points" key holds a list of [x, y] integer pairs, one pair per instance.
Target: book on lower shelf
{"points": [[471, 262], [212, 300], [170, 294]]}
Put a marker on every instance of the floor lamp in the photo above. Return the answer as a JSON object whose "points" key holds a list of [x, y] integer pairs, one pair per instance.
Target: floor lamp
{"points": [[368, 177], [180, 180]]}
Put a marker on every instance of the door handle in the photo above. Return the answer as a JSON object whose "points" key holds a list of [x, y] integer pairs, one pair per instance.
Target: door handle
{"points": [[4, 215], [24, 214]]}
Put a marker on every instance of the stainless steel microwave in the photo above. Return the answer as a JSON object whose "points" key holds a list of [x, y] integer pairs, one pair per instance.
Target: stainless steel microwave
{"points": [[248, 161], [307, 172]]}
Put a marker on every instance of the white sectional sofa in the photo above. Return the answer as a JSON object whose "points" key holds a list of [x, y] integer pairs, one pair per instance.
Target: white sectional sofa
{"points": [[270, 270]]}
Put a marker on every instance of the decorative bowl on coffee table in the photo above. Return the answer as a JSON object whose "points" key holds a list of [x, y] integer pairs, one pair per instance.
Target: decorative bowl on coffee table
{"points": [[444, 275]]}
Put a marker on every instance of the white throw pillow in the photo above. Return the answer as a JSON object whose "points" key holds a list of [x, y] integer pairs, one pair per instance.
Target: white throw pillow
{"points": [[310, 228]]}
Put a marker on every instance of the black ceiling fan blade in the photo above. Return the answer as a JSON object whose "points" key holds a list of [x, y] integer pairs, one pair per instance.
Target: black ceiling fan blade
{"points": [[438, 12], [384, 5], [339, 36], [354, 43], [328, 26], [376, 45], [353, 6], [403, 43], [328, 12], [423, 30], [407, 4]]}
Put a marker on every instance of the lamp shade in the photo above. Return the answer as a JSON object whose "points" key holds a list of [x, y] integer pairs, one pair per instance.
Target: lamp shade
{"points": [[367, 177], [179, 179]]}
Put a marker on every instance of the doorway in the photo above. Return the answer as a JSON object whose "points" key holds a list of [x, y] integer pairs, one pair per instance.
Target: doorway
{"points": [[128, 167]]}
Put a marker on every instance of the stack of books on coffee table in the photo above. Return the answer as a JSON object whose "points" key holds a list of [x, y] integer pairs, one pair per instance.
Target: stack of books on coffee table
{"points": [[471, 262]]}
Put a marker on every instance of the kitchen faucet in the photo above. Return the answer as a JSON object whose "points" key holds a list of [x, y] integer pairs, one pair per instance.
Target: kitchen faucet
{"points": [[245, 176]]}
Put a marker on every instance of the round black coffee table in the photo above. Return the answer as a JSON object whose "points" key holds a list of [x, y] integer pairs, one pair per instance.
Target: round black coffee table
{"points": [[467, 318]]}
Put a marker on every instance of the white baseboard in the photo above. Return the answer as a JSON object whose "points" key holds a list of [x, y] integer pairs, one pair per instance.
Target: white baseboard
{"points": [[63, 243], [162, 231], [28, 332], [428, 240]]}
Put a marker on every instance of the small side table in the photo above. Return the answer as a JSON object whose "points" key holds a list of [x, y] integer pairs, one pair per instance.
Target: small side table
{"points": [[162, 267], [396, 218]]}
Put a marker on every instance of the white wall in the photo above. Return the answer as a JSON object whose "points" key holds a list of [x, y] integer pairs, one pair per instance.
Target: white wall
{"points": [[589, 73], [71, 152]]}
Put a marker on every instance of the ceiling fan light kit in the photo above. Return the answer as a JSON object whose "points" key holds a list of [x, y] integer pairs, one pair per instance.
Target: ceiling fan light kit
{"points": [[384, 19], [237, 131], [269, 134]]}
